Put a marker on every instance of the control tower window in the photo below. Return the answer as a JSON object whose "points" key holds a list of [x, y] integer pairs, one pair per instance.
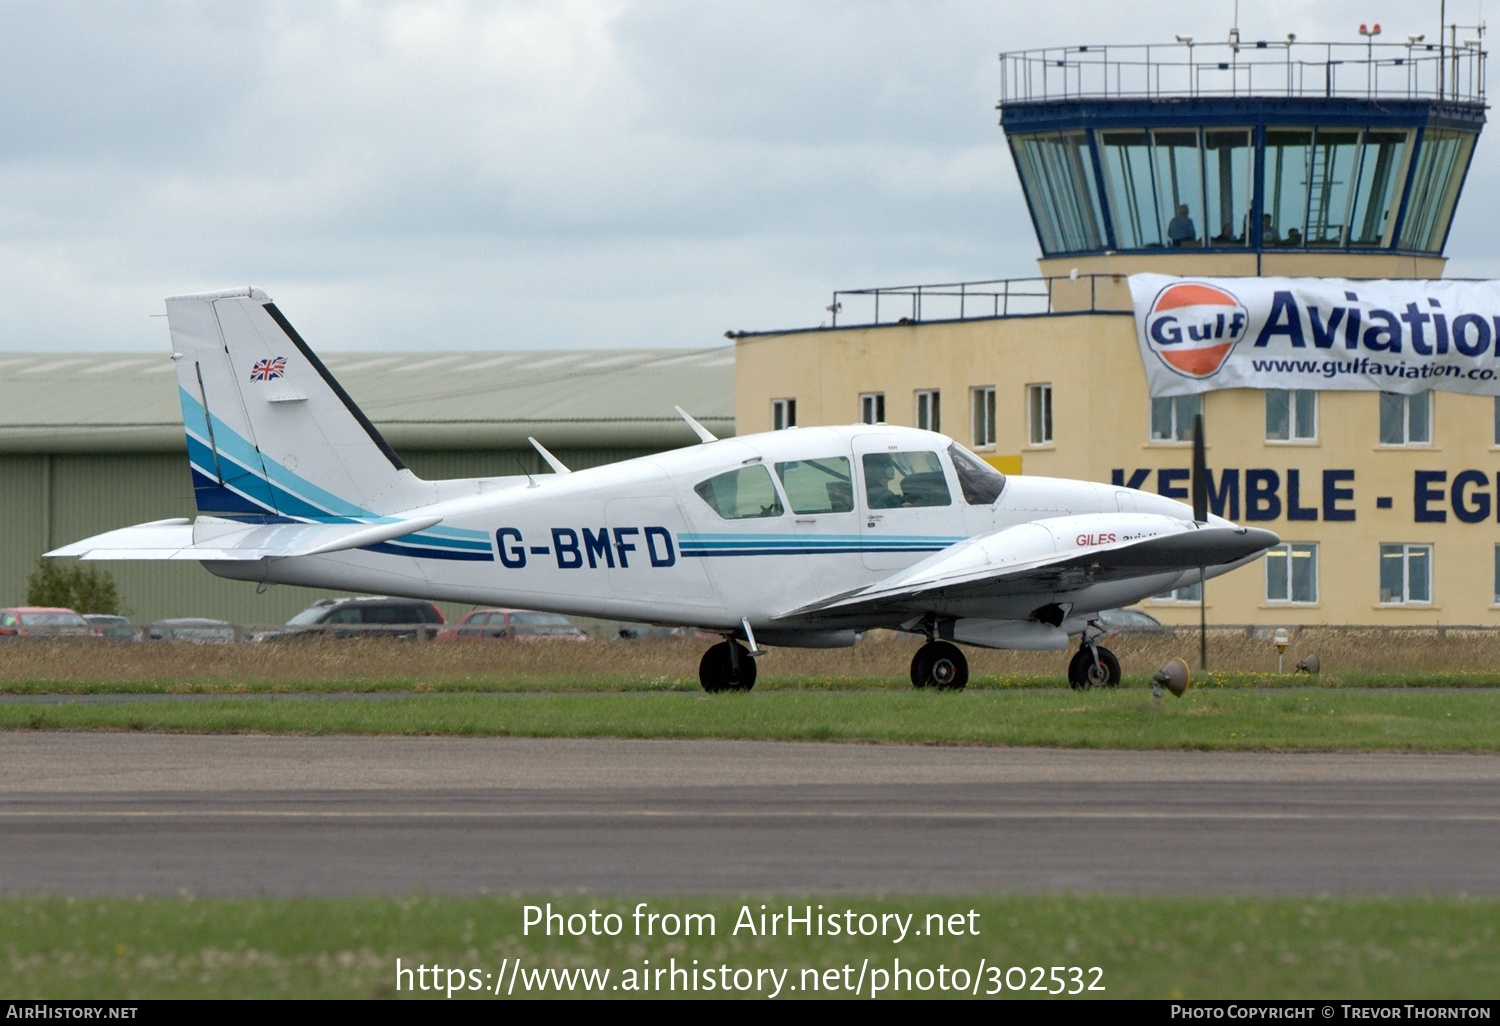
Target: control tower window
{"points": [[1441, 161], [1288, 169], [1335, 160], [1138, 221], [1058, 173], [1179, 180], [1382, 168], [1228, 163]]}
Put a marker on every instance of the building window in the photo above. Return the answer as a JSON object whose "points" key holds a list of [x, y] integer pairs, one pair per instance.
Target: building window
{"points": [[872, 408], [984, 415], [783, 414], [1292, 573], [929, 410], [1405, 575], [1291, 415], [1172, 417], [1039, 414], [1405, 419], [1191, 593]]}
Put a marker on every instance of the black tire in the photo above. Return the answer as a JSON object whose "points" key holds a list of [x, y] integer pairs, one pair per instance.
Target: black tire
{"points": [[940, 665], [1084, 673], [716, 671]]}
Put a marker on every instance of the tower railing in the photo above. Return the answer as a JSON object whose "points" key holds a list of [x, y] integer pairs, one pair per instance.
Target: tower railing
{"points": [[972, 300], [1412, 70]]}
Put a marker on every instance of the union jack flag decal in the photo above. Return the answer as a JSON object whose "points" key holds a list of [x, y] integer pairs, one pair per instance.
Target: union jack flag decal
{"points": [[268, 369]]}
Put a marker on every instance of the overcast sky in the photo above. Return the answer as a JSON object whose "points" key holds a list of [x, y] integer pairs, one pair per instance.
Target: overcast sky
{"points": [[543, 173]]}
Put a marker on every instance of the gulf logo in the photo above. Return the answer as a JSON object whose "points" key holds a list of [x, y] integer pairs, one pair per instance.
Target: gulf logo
{"points": [[1193, 327]]}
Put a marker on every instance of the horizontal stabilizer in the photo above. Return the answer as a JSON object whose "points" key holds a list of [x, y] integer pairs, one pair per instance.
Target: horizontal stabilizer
{"points": [[211, 538]]}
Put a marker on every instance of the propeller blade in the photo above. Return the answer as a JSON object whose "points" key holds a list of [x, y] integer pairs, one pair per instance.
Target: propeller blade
{"points": [[1200, 472]]}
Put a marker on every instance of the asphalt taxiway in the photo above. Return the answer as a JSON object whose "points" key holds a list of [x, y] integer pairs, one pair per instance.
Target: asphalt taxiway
{"points": [[116, 814]]}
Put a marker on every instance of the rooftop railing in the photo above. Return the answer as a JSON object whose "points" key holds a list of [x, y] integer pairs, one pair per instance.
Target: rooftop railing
{"points": [[970, 300], [1413, 70]]}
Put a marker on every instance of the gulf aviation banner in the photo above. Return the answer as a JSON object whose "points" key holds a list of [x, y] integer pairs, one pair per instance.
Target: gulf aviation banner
{"points": [[1201, 334]]}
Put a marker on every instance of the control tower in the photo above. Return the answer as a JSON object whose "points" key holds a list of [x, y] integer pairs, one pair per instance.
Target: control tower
{"points": [[1313, 164], [1253, 158]]}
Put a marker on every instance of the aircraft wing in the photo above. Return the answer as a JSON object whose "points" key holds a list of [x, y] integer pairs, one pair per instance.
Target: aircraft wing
{"points": [[1049, 557], [213, 538]]}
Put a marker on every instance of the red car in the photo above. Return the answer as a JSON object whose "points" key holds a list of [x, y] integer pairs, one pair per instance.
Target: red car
{"points": [[45, 622], [513, 625]]}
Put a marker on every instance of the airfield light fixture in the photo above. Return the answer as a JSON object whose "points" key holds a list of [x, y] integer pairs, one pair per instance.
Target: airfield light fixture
{"points": [[1281, 640], [1174, 677]]}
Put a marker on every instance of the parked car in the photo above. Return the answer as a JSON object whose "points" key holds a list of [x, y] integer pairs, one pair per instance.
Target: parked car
{"points": [[513, 625], [194, 630], [365, 616], [1131, 621], [44, 622], [117, 627]]}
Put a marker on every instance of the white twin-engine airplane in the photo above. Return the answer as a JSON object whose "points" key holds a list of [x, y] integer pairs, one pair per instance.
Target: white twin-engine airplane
{"points": [[799, 538]]}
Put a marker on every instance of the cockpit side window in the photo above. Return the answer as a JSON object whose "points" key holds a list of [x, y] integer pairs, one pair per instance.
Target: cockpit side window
{"points": [[980, 482], [895, 479], [818, 486], [742, 494]]}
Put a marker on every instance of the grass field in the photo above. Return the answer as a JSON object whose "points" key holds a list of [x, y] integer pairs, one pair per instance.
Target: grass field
{"points": [[1350, 658], [1197, 947], [1244, 720]]}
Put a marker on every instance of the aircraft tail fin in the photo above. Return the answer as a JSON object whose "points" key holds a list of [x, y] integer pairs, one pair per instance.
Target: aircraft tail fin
{"points": [[270, 431]]}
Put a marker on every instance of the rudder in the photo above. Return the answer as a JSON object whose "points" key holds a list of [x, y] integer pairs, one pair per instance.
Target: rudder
{"points": [[269, 429]]}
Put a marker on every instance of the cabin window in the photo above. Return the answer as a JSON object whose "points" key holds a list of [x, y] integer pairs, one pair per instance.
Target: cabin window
{"points": [[818, 486], [742, 494], [980, 482], [895, 479]]}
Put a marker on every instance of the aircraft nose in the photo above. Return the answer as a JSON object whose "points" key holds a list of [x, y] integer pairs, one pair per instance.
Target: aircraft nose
{"points": [[1261, 537]]}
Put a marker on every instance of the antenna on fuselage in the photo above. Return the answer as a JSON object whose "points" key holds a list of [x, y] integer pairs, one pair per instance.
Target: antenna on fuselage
{"points": [[552, 461], [703, 433]]}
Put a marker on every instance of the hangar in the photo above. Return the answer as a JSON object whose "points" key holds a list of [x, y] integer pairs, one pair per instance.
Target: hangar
{"points": [[89, 441], [1243, 160]]}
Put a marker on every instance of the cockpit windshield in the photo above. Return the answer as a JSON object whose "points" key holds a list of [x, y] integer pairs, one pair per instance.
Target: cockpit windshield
{"points": [[981, 483]]}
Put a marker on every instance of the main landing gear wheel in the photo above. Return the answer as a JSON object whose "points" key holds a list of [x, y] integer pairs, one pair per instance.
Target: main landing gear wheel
{"points": [[723, 670], [1084, 672], [940, 665]]}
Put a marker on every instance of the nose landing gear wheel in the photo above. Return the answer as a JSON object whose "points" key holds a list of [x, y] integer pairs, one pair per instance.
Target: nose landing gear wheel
{"points": [[940, 665], [721, 670], [1084, 672]]}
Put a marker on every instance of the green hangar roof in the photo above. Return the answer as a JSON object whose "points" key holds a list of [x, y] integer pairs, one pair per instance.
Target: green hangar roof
{"points": [[117, 402]]}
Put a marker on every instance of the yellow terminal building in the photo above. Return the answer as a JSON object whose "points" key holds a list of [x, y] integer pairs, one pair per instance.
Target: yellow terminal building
{"points": [[1242, 160]]}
